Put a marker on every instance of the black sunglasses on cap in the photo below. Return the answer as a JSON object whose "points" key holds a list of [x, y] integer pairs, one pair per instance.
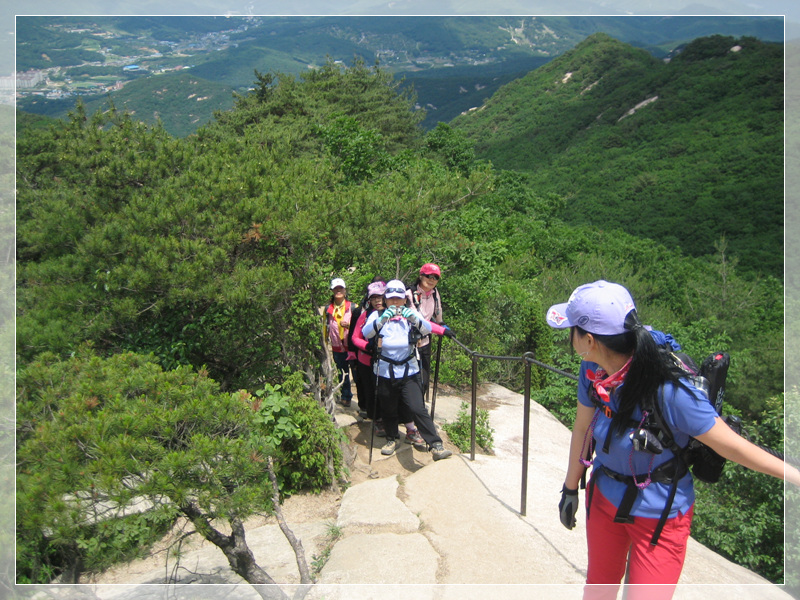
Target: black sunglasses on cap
{"points": [[394, 291], [431, 276]]}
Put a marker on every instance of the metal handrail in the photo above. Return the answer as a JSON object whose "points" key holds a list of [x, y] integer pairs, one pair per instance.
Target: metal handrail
{"points": [[528, 359]]}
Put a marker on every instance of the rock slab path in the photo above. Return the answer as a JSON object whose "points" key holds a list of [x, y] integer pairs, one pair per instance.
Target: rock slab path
{"points": [[412, 527]]}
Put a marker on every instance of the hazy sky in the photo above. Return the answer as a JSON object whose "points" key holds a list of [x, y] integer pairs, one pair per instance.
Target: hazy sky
{"points": [[10, 8]]}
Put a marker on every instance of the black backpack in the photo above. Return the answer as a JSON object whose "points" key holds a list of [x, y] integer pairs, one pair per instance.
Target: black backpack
{"points": [[710, 378]]}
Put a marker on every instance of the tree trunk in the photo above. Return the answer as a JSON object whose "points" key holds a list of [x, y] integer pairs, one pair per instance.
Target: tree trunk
{"points": [[73, 565], [297, 545], [236, 550]]}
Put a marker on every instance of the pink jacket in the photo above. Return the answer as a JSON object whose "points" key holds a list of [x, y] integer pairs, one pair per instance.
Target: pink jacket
{"points": [[359, 342]]}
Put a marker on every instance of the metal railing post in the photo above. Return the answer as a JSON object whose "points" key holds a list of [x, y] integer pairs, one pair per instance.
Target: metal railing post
{"points": [[474, 406], [529, 359], [526, 427]]}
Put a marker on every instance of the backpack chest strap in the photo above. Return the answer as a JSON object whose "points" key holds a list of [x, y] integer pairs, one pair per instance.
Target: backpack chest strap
{"points": [[393, 362]]}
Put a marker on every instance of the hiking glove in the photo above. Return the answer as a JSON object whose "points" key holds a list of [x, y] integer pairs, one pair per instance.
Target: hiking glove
{"points": [[568, 506], [448, 332], [411, 316], [387, 314]]}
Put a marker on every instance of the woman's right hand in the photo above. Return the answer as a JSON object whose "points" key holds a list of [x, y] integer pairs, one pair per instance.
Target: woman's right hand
{"points": [[568, 507]]}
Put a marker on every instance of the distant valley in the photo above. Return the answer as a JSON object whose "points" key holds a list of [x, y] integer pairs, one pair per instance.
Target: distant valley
{"points": [[180, 70]]}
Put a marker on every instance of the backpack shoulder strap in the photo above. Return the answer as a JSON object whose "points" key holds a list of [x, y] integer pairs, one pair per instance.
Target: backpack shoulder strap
{"points": [[414, 295]]}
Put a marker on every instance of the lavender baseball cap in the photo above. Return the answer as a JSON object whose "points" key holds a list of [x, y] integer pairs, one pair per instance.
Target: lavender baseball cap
{"points": [[599, 308], [376, 288]]}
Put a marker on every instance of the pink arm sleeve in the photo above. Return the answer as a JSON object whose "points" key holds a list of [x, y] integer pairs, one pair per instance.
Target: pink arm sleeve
{"points": [[358, 337], [435, 328]]}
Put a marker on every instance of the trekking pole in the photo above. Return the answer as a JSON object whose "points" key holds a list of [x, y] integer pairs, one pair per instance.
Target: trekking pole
{"points": [[374, 415], [375, 398], [436, 375]]}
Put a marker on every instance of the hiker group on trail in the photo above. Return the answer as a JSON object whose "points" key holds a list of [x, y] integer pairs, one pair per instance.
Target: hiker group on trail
{"points": [[637, 414], [648, 420], [385, 345]]}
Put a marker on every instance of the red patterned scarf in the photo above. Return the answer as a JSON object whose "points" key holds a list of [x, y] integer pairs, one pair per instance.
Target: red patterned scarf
{"points": [[604, 383]]}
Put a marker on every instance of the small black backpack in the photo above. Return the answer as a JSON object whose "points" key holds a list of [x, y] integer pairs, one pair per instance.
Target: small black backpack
{"points": [[710, 378]]}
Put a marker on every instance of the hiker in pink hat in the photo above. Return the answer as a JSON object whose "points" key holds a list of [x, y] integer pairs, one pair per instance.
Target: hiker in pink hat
{"points": [[365, 381], [640, 497], [424, 296]]}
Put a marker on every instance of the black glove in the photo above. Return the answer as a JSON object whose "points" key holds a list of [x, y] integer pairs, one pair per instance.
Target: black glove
{"points": [[568, 506], [448, 332]]}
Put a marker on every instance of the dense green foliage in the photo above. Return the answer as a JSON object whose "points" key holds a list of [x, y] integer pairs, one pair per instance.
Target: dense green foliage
{"points": [[96, 438], [215, 251], [305, 439], [7, 330], [742, 514], [702, 160]]}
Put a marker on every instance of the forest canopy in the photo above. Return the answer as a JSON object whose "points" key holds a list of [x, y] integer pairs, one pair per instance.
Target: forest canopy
{"points": [[683, 152]]}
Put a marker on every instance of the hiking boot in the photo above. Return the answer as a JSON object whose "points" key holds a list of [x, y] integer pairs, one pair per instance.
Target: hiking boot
{"points": [[363, 414], [379, 429], [389, 447], [439, 452], [413, 437]]}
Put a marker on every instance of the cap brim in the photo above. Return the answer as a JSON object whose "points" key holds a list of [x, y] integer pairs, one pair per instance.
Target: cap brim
{"points": [[557, 316]]}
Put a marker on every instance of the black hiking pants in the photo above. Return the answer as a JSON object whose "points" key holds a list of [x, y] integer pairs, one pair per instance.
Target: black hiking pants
{"points": [[424, 353], [365, 384], [401, 395]]}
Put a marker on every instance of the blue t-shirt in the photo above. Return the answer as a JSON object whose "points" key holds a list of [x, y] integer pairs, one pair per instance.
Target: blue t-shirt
{"points": [[686, 412], [394, 343]]}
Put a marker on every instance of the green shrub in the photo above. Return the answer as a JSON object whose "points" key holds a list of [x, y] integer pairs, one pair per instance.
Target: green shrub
{"points": [[96, 436], [313, 459], [459, 431]]}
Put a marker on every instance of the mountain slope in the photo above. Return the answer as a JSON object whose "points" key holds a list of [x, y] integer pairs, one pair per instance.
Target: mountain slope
{"points": [[180, 100], [684, 152]]}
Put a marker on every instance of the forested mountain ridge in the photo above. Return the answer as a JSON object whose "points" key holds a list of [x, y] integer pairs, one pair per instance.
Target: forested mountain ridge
{"points": [[206, 258], [684, 152]]}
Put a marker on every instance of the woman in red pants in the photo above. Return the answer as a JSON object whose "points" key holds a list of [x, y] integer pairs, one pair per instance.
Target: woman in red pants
{"points": [[640, 497]]}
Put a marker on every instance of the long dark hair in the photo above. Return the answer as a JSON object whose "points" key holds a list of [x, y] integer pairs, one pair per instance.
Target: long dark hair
{"points": [[650, 368]]}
